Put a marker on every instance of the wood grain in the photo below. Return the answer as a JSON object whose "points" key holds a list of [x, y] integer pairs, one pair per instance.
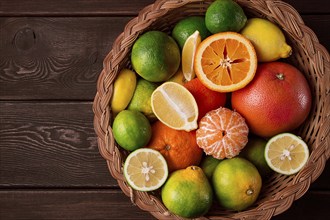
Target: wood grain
{"points": [[54, 58], [50, 145], [112, 204], [61, 58], [112, 7]]}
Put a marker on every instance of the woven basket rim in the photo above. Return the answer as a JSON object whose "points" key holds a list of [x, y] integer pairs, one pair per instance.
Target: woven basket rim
{"points": [[320, 63]]}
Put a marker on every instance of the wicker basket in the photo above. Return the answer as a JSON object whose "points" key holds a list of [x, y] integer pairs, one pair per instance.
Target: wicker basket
{"points": [[280, 191]]}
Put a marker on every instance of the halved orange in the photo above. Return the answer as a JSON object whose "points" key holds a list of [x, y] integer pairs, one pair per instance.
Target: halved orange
{"points": [[225, 61]]}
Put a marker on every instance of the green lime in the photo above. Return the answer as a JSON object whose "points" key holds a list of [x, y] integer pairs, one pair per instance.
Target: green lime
{"points": [[131, 129], [237, 183], [187, 26], [155, 56], [224, 15], [208, 165], [187, 192], [141, 100], [254, 151]]}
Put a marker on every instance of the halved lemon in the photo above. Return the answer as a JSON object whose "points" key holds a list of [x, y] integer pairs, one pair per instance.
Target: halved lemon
{"points": [[175, 106], [225, 62], [145, 169], [188, 55], [286, 153]]}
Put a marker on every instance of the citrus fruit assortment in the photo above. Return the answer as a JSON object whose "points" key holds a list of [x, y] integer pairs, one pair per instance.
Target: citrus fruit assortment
{"points": [[210, 111]]}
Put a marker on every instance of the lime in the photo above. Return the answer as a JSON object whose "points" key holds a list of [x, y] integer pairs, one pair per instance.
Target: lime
{"points": [[187, 26], [208, 165], [254, 152], [141, 100], [155, 56], [286, 153], [131, 129], [267, 39], [224, 15], [187, 192], [237, 183], [123, 90], [145, 169]]}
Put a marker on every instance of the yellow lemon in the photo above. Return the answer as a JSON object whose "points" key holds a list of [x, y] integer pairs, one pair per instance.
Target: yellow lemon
{"points": [[267, 39], [188, 55], [123, 90], [175, 106]]}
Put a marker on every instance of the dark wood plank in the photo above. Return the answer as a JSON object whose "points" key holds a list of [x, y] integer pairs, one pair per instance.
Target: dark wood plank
{"points": [[61, 58], [68, 204], [320, 24], [72, 7], [54, 58], [113, 204], [50, 145], [112, 7]]}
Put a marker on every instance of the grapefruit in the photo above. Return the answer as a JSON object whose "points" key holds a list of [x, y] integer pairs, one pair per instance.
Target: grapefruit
{"points": [[277, 100]]}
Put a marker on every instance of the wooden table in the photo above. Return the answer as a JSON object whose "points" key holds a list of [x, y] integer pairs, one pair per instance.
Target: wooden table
{"points": [[51, 54]]}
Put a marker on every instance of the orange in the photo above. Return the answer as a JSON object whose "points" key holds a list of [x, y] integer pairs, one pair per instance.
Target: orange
{"points": [[237, 183], [175, 106], [277, 100], [222, 133], [206, 99], [225, 62], [187, 193], [179, 148]]}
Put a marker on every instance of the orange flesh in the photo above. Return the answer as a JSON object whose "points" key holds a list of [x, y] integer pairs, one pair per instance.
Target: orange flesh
{"points": [[226, 62]]}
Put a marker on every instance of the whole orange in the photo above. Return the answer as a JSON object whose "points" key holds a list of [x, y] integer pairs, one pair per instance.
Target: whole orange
{"points": [[206, 98], [178, 147], [277, 100]]}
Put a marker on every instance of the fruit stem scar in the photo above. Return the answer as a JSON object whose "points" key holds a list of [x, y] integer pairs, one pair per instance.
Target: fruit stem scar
{"points": [[146, 170], [280, 76], [249, 192]]}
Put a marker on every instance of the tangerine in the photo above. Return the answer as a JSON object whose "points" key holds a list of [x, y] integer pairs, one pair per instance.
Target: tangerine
{"points": [[277, 100], [206, 99], [178, 147], [222, 133]]}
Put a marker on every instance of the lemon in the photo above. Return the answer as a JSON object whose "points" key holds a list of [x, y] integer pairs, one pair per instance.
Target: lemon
{"points": [[145, 169], [141, 100], [187, 193], [131, 129], [267, 39], [175, 106], [155, 56], [123, 90], [187, 26], [286, 153], [224, 15], [188, 55]]}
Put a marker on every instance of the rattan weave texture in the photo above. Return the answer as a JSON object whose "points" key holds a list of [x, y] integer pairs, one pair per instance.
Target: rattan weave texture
{"points": [[279, 192]]}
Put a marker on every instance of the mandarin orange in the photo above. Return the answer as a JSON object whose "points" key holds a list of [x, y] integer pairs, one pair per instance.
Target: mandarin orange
{"points": [[222, 133], [178, 147]]}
